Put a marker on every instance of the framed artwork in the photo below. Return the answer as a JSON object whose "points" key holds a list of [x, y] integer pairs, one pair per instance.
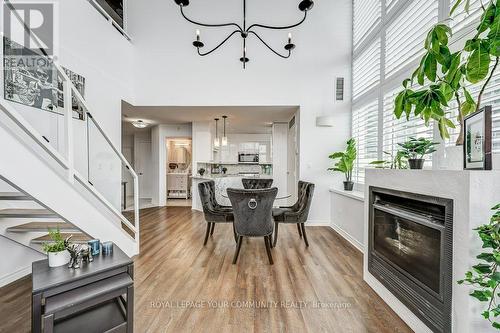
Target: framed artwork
{"points": [[477, 145], [79, 82], [29, 77]]}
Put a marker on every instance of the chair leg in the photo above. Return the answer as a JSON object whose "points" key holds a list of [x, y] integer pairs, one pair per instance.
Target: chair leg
{"points": [[234, 234], [209, 225], [299, 228], [276, 224], [238, 248], [304, 234], [267, 240], [213, 228]]}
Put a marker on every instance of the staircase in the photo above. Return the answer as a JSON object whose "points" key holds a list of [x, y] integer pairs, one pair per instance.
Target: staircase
{"points": [[46, 185]]}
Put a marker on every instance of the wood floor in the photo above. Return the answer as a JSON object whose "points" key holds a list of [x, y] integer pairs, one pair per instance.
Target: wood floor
{"points": [[182, 286]]}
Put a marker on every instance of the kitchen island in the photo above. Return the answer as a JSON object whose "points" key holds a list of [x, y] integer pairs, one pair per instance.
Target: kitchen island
{"points": [[222, 183]]}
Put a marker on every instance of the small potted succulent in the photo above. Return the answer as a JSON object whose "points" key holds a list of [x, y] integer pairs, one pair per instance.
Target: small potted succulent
{"points": [[201, 171], [56, 249], [415, 150], [345, 163]]}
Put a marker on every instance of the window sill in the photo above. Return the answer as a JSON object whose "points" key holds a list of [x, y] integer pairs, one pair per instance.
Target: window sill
{"points": [[356, 195]]}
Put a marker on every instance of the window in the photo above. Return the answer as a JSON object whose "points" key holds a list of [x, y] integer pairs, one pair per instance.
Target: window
{"points": [[460, 22], [366, 69], [406, 35], [365, 130], [399, 130], [397, 32], [366, 17]]}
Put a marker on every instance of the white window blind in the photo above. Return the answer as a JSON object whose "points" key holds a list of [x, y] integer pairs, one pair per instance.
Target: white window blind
{"points": [[366, 69], [366, 17], [406, 35], [365, 131], [399, 130], [461, 22], [389, 4]]}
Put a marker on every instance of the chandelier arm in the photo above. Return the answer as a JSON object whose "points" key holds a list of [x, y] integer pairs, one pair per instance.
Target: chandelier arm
{"points": [[210, 25], [270, 48], [215, 48], [279, 27]]}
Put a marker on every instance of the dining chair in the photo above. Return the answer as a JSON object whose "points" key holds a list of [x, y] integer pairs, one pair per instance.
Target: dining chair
{"points": [[213, 211], [253, 216], [257, 183], [298, 213]]}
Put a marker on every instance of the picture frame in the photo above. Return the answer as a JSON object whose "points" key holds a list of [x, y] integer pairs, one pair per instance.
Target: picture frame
{"points": [[478, 136]]}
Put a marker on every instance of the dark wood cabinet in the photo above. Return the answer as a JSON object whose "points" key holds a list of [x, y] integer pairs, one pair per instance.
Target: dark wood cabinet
{"points": [[98, 297]]}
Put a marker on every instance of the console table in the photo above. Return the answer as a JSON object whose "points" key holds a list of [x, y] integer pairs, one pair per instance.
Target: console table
{"points": [[98, 297]]}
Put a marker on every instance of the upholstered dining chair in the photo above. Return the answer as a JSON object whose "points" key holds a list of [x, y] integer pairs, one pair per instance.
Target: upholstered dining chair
{"points": [[256, 183], [253, 216], [214, 213], [297, 213]]}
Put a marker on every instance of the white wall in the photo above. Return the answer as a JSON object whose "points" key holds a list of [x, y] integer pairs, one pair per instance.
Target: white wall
{"points": [[348, 217], [169, 72], [87, 44]]}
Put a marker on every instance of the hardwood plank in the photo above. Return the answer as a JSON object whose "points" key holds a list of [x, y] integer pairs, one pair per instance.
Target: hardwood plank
{"points": [[26, 213], [15, 306], [175, 267], [77, 238]]}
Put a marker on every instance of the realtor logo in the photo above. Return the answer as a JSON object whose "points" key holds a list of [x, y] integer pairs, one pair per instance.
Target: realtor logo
{"points": [[30, 25]]}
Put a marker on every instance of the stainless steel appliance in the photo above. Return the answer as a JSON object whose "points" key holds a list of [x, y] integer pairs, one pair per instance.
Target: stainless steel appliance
{"points": [[248, 158]]}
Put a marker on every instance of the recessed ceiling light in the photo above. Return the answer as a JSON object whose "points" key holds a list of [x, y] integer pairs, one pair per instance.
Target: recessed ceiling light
{"points": [[140, 124]]}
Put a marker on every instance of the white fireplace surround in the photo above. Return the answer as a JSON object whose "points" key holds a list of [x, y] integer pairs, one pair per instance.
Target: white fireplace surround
{"points": [[473, 194]]}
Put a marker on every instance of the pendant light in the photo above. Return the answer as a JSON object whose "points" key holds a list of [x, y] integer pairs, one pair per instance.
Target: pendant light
{"points": [[224, 137], [216, 140]]}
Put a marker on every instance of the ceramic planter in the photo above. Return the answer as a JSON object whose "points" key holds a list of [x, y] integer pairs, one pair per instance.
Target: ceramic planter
{"points": [[348, 186], [416, 163], [57, 259]]}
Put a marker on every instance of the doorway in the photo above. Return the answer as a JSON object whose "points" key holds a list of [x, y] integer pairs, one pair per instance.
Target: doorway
{"points": [[178, 171]]}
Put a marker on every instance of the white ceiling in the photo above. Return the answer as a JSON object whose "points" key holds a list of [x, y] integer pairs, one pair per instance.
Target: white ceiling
{"points": [[241, 119]]}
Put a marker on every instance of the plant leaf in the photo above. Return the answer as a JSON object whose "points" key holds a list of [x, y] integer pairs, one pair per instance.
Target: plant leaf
{"points": [[478, 65]]}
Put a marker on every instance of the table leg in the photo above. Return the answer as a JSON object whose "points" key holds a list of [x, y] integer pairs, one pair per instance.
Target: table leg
{"points": [[36, 313], [130, 309]]}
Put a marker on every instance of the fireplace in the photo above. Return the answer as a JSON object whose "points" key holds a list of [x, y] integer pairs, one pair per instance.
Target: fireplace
{"points": [[410, 252]]}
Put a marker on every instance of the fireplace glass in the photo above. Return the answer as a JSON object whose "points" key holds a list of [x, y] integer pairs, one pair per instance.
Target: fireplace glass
{"points": [[412, 247]]}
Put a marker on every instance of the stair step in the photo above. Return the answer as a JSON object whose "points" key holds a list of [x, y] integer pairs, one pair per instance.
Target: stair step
{"points": [[77, 238], [44, 227], [14, 196], [26, 213]]}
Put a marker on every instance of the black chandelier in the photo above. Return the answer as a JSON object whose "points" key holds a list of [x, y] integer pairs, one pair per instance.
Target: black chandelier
{"points": [[304, 6]]}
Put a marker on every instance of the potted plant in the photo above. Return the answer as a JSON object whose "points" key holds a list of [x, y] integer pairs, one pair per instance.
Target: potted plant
{"points": [[56, 249], [224, 170], [442, 77], [345, 163], [201, 171], [397, 161], [415, 150]]}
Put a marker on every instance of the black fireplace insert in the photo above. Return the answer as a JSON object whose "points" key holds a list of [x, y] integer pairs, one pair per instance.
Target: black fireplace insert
{"points": [[411, 250]]}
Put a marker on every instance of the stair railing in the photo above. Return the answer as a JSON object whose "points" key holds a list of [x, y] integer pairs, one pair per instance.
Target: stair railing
{"points": [[67, 159]]}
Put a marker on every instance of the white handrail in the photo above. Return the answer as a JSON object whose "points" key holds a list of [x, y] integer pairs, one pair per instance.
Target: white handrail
{"points": [[68, 165]]}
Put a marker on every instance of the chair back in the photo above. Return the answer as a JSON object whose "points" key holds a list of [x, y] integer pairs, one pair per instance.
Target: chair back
{"points": [[303, 204], [252, 211], [257, 183], [207, 196]]}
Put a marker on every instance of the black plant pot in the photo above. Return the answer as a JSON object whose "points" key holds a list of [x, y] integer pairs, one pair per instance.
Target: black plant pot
{"points": [[348, 186], [416, 163]]}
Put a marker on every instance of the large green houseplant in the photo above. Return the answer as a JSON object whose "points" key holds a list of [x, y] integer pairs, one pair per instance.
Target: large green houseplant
{"points": [[485, 276], [345, 163], [443, 76]]}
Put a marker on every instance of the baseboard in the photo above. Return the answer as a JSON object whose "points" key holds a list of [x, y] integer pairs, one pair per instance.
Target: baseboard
{"points": [[318, 223], [14, 276], [354, 242]]}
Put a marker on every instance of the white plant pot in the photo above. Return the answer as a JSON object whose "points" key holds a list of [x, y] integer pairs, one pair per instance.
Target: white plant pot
{"points": [[57, 259]]}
